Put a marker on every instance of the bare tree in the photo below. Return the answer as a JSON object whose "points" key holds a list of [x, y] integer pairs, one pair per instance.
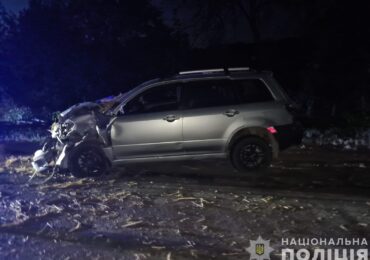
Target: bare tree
{"points": [[209, 19]]}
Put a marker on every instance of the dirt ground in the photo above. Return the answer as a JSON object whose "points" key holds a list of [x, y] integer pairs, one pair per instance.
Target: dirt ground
{"points": [[183, 210]]}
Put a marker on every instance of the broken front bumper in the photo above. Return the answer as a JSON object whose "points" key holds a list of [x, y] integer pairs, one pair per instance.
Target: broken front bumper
{"points": [[39, 162]]}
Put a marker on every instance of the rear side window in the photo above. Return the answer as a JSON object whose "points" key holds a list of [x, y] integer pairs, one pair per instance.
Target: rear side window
{"points": [[252, 91], [208, 93]]}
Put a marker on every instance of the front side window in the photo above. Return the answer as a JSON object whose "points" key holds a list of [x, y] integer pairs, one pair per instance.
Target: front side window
{"points": [[208, 93], [156, 99]]}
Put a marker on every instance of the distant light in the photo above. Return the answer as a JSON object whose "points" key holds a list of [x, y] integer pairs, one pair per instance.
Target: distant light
{"points": [[272, 130]]}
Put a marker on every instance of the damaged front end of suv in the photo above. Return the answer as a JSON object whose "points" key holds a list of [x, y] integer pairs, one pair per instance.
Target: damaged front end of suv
{"points": [[76, 140]]}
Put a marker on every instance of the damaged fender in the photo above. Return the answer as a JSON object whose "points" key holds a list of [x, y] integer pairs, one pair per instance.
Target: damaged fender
{"points": [[81, 124]]}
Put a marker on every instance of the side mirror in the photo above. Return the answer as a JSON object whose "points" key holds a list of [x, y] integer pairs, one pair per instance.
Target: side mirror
{"points": [[121, 111], [55, 116]]}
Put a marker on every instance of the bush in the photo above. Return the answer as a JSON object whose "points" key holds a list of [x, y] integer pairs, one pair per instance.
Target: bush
{"points": [[342, 138], [10, 111], [17, 114], [357, 119]]}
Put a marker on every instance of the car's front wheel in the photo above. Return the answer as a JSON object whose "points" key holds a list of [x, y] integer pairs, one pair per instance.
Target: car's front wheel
{"points": [[251, 154], [88, 160]]}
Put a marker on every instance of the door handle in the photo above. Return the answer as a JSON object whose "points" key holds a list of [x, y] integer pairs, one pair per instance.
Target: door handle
{"points": [[231, 112], [171, 118]]}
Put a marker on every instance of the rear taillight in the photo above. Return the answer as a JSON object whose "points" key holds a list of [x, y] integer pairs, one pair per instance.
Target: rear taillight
{"points": [[271, 130]]}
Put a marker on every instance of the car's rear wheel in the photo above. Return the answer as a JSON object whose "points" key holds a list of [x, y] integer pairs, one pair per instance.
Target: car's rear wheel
{"points": [[251, 154], [88, 160]]}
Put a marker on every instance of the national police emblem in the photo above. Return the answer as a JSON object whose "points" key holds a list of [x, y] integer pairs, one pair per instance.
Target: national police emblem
{"points": [[260, 249]]}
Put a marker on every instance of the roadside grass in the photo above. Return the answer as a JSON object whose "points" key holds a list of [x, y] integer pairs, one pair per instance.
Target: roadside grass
{"points": [[17, 164], [27, 135]]}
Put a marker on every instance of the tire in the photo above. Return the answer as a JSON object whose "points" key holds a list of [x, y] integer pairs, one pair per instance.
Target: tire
{"points": [[251, 154], [88, 160]]}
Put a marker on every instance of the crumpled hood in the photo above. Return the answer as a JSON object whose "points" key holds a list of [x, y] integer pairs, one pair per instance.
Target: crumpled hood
{"points": [[78, 109]]}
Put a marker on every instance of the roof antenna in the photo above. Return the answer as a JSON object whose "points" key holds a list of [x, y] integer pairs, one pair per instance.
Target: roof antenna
{"points": [[227, 72]]}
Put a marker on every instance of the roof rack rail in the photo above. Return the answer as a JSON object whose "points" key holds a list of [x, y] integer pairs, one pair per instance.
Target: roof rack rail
{"points": [[209, 71], [201, 71], [240, 69]]}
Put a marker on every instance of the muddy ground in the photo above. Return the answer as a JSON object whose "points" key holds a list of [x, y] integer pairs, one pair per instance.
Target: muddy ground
{"points": [[183, 210]]}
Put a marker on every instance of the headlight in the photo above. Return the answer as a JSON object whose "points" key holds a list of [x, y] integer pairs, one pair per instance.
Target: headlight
{"points": [[61, 131], [54, 130], [67, 127]]}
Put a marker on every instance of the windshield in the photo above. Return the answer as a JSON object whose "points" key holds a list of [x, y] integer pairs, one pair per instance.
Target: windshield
{"points": [[110, 103], [116, 101]]}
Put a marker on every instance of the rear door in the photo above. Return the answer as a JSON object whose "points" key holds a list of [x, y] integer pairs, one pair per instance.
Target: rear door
{"points": [[209, 107]]}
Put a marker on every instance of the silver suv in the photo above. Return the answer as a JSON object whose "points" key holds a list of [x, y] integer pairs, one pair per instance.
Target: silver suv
{"points": [[234, 113]]}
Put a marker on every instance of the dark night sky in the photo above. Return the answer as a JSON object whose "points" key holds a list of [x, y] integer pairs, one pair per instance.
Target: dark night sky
{"points": [[14, 5]]}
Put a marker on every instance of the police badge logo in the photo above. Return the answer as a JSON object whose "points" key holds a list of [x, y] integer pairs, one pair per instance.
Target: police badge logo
{"points": [[260, 249]]}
